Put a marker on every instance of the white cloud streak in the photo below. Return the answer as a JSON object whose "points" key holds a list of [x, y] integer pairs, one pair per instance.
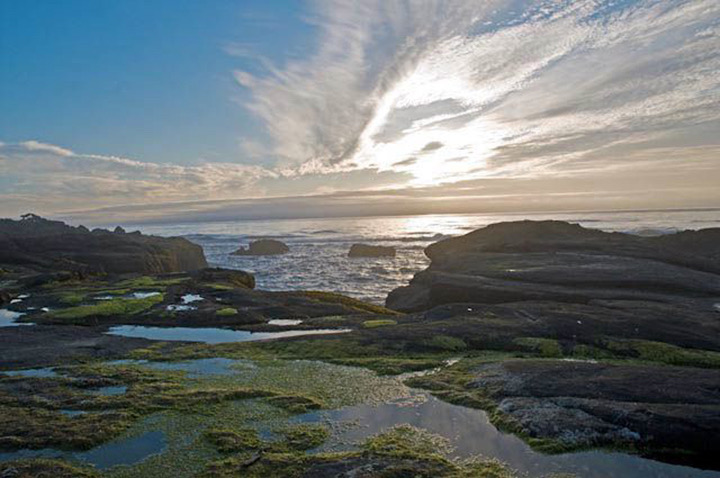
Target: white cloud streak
{"points": [[46, 177], [508, 87]]}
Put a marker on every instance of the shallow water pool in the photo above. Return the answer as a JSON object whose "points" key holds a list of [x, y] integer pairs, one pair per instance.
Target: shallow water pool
{"points": [[471, 433], [210, 335], [8, 318], [128, 451]]}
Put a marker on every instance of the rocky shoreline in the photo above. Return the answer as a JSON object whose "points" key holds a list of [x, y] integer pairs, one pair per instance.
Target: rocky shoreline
{"points": [[569, 338]]}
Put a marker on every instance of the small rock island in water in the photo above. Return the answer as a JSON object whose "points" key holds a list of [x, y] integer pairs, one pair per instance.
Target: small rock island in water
{"points": [[126, 355], [365, 250], [263, 247]]}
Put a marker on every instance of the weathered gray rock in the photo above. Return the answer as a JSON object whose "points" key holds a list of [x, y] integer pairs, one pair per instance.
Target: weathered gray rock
{"points": [[553, 260], [365, 250], [263, 247], [44, 245], [597, 404]]}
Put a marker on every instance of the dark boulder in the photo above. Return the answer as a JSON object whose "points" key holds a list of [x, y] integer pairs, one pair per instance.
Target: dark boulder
{"points": [[364, 250], [263, 247], [44, 245], [558, 261]]}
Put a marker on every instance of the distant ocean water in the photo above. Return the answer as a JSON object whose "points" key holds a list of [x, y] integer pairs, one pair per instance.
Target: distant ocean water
{"points": [[318, 247]]}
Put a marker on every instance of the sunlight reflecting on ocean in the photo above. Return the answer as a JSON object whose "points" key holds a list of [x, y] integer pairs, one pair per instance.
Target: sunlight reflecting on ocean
{"points": [[318, 247]]}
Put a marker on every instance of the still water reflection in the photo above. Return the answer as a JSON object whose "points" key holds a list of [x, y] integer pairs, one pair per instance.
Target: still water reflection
{"points": [[472, 434]]}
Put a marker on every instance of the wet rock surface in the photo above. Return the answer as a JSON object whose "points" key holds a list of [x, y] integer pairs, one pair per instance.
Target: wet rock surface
{"points": [[263, 247], [43, 245]]}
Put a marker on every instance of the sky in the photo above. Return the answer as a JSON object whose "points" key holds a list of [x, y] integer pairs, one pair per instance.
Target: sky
{"points": [[178, 110]]}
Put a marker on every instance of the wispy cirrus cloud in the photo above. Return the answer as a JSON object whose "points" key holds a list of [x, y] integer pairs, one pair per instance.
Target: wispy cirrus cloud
{"points": [[507, 87]]}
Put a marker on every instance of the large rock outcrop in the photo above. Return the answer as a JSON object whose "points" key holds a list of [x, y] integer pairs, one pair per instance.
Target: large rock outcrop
{"points": [[43, 245], [562, 262]]}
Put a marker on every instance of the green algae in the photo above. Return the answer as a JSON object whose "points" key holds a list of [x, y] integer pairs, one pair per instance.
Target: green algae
{"points": [[227, 440], [371, 324], [226, 312], [113, 307], [144, 282], [548, 348], [400, 451], [406, 441], [302, 437], [661, 352]]}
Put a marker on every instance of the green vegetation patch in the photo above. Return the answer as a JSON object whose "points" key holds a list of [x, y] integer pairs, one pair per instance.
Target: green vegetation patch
{"points": [[145, 282], [72, 298], [105, 308], [446, 342], [303, 436], [403, 451], [548, 348], [372, 324], [234, 441], [296, 403], [218, 286], [406, 441], [226, 312], [665, 353], [392, 366]]}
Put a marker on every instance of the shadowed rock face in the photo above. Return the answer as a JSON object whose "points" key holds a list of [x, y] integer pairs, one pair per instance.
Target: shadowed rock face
{"points": [[597, 404], [43, 245], [263, 247], [364, 250], [558, 261]]}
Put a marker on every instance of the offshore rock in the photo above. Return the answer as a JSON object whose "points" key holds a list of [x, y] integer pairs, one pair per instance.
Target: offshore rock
{"points": [[263, 247]]}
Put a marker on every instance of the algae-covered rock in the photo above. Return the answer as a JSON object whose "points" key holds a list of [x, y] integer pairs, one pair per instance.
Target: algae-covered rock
{"points": [[227, 276]]}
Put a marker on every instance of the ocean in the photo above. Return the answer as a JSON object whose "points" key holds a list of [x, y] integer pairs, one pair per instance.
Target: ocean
{"points": [[318, 247]]}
